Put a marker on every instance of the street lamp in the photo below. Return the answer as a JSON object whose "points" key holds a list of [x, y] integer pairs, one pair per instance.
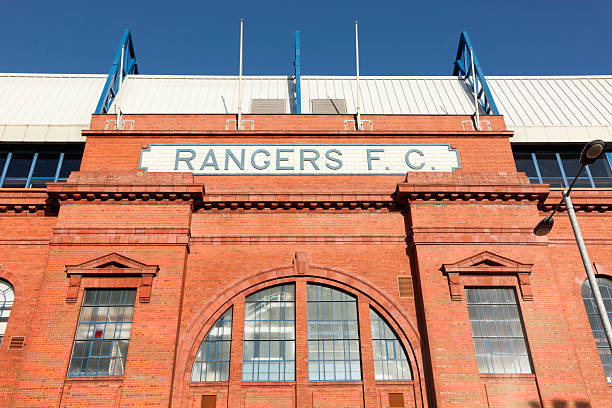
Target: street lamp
{"points": [[590, 153]]}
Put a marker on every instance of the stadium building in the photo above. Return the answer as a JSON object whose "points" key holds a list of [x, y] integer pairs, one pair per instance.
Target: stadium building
{"points": [[302, 241]]}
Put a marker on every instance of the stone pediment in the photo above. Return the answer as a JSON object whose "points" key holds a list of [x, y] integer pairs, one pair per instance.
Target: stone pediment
{"points": [[487, 264], [115, 267]]}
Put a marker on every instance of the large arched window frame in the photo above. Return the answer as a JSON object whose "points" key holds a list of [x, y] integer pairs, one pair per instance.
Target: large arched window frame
{"points": [[7, 298], [357, 365], [601, 342]]}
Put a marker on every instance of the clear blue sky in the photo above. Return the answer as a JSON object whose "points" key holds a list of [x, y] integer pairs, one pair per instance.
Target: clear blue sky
{"points": [[396, 37]]}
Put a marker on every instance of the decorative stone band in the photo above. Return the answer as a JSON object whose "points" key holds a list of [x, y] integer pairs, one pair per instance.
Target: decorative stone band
{"points": [[487, 269], [299, 201], [23, 202], [129, 186], [588, 200]]}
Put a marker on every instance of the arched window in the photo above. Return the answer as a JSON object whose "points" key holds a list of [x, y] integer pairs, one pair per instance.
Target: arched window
{"points": [[213, 358], [269, 335], [605, 287], [333, 335], [390, 362], [7, 297], [329, 329]]}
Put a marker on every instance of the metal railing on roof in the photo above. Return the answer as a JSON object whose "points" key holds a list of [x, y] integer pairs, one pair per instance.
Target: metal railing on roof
{"points": [[130, 66], [463, 68]]}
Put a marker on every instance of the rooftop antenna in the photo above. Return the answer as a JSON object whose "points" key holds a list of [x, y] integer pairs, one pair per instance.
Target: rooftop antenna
{"points": [[474, 87], [239, 122], [119, 121], [358, 116]]}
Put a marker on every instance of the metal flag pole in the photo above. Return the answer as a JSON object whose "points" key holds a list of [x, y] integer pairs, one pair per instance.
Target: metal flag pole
{"points": [[239, 123], [588, 266], [358, 90], [477, 111], [119, 121]]}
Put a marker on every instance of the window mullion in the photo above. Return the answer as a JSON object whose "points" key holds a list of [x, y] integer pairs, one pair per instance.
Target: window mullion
{"points": [[5, 169]]}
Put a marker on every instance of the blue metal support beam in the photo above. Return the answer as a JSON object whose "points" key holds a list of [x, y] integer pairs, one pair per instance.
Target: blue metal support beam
{"points": [[297, 63], [463, 69], [130, 66]]}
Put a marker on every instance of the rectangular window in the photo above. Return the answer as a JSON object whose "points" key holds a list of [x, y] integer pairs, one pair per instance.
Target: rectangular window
{"points": [[269, 335], [103, 332], [333, 335], [558, 168], [497, 330]]}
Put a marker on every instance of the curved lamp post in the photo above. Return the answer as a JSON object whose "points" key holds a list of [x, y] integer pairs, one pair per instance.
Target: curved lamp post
{"points": [[590, 153]]}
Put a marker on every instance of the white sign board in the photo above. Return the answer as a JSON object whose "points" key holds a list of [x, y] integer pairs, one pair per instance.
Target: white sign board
{"points": [[298, 159]]}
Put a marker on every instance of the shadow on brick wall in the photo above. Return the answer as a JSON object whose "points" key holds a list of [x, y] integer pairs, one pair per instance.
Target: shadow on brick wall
{"points": [[562, 404]]}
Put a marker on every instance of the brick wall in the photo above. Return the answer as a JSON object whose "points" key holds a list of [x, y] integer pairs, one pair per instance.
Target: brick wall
{"points": [[217, 239]]}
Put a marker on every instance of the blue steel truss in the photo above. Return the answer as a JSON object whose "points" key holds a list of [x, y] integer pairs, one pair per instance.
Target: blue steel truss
{"points": [[130, 66], [297, 63], [463, 69]]}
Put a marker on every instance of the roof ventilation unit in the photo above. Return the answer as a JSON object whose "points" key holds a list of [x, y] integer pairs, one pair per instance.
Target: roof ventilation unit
{"points": [[328, 106], [268, 106]]}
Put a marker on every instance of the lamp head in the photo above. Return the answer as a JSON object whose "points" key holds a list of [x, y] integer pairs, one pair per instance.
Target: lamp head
{"points": [[591, 152], [544, 226]]}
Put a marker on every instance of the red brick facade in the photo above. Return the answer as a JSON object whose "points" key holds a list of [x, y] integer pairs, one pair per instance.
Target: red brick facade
{"points": [[193, 246]]}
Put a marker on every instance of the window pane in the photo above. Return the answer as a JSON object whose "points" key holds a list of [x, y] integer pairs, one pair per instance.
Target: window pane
{"points": [[497, 331], [390, 362], [549, 168], [524, 163], [601, 172], [46, 165], [269, 335], [103, 333], [72, 162], [7, 296], [601, 341], [18, 170], [571, 165], [213, 358], [333, 335]]}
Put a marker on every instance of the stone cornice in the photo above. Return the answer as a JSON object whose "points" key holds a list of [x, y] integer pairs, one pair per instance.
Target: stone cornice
{"points": [[297, 200], [24, 201], [587, 200], [469, 186], [130, 186]]}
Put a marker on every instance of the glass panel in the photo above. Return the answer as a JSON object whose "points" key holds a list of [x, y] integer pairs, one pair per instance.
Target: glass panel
{"points": [[571, 165], [333, 335], [18, 170], [601, 341], [549, 169], [7, 296], [269, 335], [71, 162], [390, 362], [601, 172], [103, 333], [524, 163], [497, 331]]}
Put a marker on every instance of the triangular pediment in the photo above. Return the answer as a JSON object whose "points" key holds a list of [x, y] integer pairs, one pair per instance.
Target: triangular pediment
{"points": [[487, 262], [113, 262]]}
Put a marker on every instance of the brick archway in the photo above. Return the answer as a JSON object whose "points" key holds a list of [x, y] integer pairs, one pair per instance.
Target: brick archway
{"points": [[205, 318]]}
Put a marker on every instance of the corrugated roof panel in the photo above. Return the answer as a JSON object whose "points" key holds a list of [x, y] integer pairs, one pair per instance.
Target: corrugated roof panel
{"points": [[554, 101], [41, 99], [555, 104]]}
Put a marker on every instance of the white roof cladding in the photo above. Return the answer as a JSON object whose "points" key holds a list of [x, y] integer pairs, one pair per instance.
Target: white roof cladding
{"points": [[47, 107], [538, 109]]}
